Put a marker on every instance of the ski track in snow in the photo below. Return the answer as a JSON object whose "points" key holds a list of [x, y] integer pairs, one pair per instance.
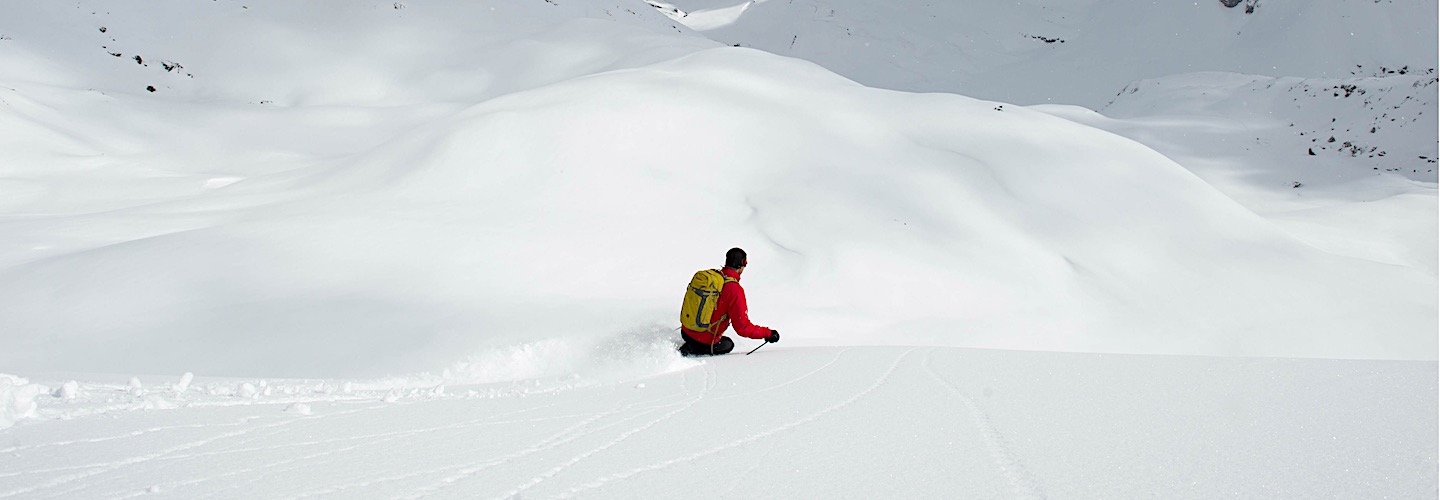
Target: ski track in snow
{"points": [[131, 434], [811, 373], [386, 437], [303, 460], [489, 420], [735, 444], [560, 438], [366, 439], [704, 390], [1022, 483], [563, 437], [106, 467]]}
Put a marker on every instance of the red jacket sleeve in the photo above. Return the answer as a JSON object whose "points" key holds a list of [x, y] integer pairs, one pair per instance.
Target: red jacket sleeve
{"points": [[739, 313]]}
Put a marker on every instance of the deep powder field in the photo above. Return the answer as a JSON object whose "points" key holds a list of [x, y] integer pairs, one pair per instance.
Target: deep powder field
{"points": [[412, 249]]}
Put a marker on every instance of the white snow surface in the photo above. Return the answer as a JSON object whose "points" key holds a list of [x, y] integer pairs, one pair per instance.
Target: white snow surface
{"points": [[296, 206], [434, 248], [1072, 51], [787, 422]]}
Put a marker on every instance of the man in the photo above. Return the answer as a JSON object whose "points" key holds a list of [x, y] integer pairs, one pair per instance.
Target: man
{"points": [[731, 309]]}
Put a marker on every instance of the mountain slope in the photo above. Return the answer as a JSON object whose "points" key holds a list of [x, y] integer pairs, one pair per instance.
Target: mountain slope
{"points": [[1067, 52], [379, 235]]}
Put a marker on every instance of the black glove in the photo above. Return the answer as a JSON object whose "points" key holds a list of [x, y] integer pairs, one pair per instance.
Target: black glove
{"points": [[774, 336]]}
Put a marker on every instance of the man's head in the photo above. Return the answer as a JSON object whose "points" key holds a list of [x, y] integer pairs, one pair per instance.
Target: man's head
{"points": [[735, 259]]}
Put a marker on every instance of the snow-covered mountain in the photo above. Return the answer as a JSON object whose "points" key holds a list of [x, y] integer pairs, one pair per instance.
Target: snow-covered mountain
{"points": [[1079, 52], [434, 248], [292, 192], [1380, 57]]}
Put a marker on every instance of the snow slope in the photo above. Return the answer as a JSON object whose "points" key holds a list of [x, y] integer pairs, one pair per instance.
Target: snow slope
{"points": [[433, 249], [787, 422], [1362, 193], [1224, 91], [261, 220], [1070, 52]]}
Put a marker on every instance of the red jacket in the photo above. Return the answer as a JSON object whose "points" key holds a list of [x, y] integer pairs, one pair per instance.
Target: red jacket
{"points": [[732, 307]]}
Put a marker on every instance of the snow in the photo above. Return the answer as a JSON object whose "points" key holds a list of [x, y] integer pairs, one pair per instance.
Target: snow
{"points": [[787, 421], [67, 390], [395, 249], [184, 384], [872, 216], [17, 399], [1075, 51], [246, 390]]}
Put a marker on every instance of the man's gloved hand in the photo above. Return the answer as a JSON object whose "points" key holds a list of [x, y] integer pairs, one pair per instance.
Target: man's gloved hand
{"points": [[774, 336]]}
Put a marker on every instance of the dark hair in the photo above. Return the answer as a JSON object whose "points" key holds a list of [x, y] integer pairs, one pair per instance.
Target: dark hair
{"points": [[735, 258]]}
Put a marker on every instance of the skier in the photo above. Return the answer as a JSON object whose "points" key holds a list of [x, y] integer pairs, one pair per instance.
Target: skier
{"points": [[729, 309]]}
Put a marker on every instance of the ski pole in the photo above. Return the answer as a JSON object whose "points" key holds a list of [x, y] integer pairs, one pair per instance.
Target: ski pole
{"points": [[752, 351]]}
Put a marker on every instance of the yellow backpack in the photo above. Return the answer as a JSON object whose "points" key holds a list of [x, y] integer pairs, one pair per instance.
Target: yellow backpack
{"points": [[701, 298]]}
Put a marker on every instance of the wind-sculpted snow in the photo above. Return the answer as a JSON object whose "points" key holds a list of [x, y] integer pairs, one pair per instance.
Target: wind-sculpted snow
{"points": [[543, 212], [787, 422], [409, 249]]}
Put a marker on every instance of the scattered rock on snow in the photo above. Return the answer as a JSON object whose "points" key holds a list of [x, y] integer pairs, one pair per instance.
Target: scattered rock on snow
{"points": [[1045, 39]]}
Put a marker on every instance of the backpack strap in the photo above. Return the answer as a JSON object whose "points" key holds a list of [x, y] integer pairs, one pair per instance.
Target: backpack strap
{"points": [[717, 321], [723, 316]]}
